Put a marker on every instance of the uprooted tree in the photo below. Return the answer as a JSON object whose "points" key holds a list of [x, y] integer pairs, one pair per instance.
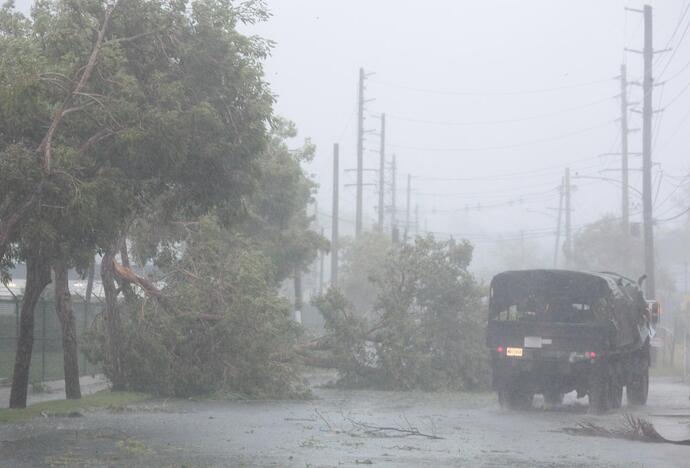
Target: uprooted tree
{"points": [[425, 329], [221, 326]]}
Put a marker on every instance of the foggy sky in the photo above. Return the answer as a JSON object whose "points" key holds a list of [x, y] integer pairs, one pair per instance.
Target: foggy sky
{"points": [[507, 52]]}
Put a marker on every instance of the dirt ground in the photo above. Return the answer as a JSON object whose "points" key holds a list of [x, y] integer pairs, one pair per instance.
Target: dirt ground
{"points": [[335, 430]]}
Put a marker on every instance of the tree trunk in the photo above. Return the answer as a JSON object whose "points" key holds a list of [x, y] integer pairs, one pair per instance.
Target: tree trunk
{"points": [[37, 278], [113, 328], [63, 307]]}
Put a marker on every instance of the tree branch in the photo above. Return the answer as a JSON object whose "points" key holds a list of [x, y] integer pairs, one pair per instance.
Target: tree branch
{"points": [[46, 144]]}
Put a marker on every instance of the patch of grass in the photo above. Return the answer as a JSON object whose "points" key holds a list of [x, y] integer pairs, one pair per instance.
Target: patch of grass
{"points": [[102, 399]]}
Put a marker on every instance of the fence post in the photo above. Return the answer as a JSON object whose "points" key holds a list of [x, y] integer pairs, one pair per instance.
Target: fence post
{"points": [[43, 344], [16, 317], [85, 306]]}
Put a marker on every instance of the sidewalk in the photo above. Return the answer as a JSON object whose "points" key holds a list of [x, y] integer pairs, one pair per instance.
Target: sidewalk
{"points": [[56, 390]]}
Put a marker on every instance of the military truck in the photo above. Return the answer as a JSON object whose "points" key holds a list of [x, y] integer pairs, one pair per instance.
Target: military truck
{"points": [[551, 332]]}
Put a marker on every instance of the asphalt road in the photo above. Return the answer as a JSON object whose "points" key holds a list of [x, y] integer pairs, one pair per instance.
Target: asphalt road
{"points": [[339, 428]]}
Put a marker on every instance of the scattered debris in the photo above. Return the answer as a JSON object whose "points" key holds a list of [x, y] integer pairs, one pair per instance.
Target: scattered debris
{"points": [[391, 431], [631, 427]]}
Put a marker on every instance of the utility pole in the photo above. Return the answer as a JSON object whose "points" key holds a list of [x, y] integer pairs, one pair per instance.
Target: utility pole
{"points": [[647, 87], [416, 220], [557, 248], [647, 112], [382, 170], [321, 259], [625, 208], [394, 206], [568, 226], [298, 296], [360, 152], [334, 219], [407, 209]]}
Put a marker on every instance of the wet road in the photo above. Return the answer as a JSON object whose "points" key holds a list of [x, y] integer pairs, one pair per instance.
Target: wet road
{"points": [[336, 430]]}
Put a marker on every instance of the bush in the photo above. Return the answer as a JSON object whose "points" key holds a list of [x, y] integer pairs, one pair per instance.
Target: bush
{"points": [[427, 327]]}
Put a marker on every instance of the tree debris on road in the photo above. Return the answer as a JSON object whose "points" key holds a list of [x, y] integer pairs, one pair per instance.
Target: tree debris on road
{"points": [[631, 428]]}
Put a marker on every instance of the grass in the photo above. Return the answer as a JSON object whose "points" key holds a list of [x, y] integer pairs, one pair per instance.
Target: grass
{"points": [[102, 399]]}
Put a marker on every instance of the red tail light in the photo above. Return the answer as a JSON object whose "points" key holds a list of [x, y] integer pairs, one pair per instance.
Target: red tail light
{"points": [[500, 350], [591, 355]]}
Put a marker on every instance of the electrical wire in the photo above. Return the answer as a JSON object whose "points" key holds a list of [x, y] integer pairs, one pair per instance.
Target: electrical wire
{"points": [[677, 96], [680, 41], [495, 122], [512, 175], [665, 220], [503, 147], [487, 93]]}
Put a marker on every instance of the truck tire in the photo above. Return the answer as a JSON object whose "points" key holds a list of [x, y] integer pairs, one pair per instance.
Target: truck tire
{"points": [[615, 394], [511, 395], [553, 397], [599, 393], [638, 388]]}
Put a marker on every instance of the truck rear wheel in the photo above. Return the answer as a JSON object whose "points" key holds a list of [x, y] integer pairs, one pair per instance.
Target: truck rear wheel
{"points": [[512, 395], [638, 388], [599, 391], [553, 397], [615, 394]]}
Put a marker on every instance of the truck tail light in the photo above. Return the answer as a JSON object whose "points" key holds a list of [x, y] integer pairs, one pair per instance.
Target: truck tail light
{"points": [[591, 355], [500, 350]]}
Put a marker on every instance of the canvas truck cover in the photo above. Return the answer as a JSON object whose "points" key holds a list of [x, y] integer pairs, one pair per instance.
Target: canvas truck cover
{"points": [[574, 297]]}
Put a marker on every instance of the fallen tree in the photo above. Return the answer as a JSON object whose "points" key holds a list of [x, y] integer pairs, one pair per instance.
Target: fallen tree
{"points": [[425, 330]]}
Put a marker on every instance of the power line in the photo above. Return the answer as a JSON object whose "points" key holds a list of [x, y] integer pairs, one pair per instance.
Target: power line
{"points": [[496, 122], [677, 96], [487, 93], [512, 175], [685, 211], [681, 70], [503, 147], [680, 41]]}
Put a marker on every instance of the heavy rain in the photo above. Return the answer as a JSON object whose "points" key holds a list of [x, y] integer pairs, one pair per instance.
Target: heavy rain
{"points": [[308, 233]]}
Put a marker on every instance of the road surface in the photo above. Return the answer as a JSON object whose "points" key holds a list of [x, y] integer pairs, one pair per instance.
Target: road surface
{"points": [[337, 429]]}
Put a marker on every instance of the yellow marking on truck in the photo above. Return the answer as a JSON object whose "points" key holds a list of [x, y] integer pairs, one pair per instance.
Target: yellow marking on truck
{"points": [[514, 352]]}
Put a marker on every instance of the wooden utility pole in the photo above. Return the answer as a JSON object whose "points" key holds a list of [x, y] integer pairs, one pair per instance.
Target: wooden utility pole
{"points": [[334, 218], [407, 209], [360, 153], [625, 208], [647, 111], [298, 296], [416, 220], [382, 171], [321, 260], [557, 248], [394, 207], [568, 226]]}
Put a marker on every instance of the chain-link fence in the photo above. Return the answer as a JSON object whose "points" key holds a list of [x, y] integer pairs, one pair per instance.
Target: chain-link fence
{"points": [[46, 360]]}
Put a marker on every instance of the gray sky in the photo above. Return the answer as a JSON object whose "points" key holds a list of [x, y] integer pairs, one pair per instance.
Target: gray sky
{"points": [[506, 93], [462, 62]]}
